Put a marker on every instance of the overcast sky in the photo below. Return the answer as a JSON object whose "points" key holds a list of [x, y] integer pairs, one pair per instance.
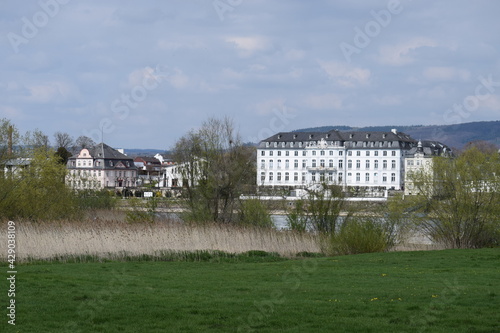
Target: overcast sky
{"points": [[146, 72]]}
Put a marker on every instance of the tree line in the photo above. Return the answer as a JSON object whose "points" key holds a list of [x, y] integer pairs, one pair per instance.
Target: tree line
{"points": [[457, 203]]}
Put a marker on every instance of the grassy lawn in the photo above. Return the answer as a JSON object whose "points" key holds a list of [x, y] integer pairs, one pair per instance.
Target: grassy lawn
{"points": [[435, 291]]}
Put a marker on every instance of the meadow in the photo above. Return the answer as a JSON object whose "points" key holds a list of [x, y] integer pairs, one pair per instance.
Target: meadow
{"points": [[419, 291]]}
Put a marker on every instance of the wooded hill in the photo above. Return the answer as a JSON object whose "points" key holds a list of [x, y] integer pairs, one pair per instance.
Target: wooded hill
{"points": [[455, 136]]}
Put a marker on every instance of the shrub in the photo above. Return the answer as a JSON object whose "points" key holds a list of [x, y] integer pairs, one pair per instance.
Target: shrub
{"points": [[361, 235], [254, 212]]}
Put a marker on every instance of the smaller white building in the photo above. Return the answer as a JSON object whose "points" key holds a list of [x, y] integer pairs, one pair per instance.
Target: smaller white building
{"points": [[419, 160]]}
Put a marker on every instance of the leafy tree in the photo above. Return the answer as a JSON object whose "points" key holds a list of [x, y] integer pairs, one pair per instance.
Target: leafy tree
{"points": [[63, 155], [459, 201], [5, 128], [7, 184], [215, 166], [39, 191]]}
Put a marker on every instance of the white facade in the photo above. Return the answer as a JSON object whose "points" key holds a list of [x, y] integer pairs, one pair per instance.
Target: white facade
{"points": [[100, 167], [349, 159], [420, 160]]}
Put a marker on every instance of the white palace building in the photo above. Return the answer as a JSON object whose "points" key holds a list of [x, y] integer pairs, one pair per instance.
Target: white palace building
{"points": [[374, 161]]}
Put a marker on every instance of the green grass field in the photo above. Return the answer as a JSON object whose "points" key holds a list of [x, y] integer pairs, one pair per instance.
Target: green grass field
{"points": [[435, 291]]}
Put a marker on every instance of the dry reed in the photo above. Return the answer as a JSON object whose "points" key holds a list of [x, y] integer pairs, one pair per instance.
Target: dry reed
{"points": [[112, 239]]}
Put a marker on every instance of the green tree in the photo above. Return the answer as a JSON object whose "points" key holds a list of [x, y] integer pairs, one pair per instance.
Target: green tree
{"points": [[319, 211], [9, 136], [459, 201], [254, 212], [38, 191], [63, 155], [215, 166]]}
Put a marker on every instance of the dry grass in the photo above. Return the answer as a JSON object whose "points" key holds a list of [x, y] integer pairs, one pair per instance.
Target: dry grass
{"points": [[112, 239]]}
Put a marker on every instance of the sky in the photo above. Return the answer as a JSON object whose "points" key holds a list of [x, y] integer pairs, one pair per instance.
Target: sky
{"points": [[141, 74]]}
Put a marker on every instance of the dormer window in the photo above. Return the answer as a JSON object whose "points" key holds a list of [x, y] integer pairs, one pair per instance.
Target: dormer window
{"points": [[310, 136], [295, 136], [110, 163], [351, 136], [279, 136]]}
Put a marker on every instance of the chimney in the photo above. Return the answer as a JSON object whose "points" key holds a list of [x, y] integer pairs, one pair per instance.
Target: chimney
{"points": [[9, 144]]}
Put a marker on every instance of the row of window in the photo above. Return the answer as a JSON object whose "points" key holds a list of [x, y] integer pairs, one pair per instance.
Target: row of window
{"points": [[98, 173], [85, 163], [335, 143], [93, 184], [322, 163], [323, 153], [321, 177]]}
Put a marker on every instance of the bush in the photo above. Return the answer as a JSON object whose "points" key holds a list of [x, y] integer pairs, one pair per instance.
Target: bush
{"points": [[89, 199], [296, 218], [361, 235], [142, 210], [254, 212]]}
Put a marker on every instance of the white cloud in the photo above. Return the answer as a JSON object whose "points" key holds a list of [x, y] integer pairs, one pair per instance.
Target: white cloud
{"points": [[401, 54], [324, 102], [388, 100], [10, 112], [175, 77], [270, 105], [52, 92], [346, 75], [434, 93], [249, 45], [178, 79], [491, 103], [446, 74], [294, 54]]}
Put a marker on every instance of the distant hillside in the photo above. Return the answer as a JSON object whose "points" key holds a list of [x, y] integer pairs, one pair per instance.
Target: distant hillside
{"points": [[144, 152], [455, 136]]}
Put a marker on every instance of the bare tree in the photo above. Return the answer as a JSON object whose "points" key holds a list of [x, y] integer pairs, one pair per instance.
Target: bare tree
{"points": [[37, 139], [216, 165], [84, 142], [63, 140]]}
